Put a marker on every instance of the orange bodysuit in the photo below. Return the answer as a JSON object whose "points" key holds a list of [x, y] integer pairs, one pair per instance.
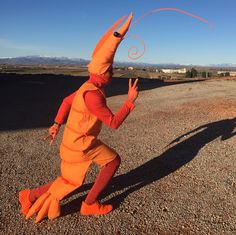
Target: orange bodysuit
{"points": [[96, 104], [80, 145]]}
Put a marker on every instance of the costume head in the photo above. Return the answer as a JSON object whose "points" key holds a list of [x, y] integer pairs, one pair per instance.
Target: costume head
{"points": [[103, 54]]}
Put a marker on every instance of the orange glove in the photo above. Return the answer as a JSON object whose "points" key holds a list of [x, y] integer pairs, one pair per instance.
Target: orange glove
{"points": [[53, 131], [133, 91]]}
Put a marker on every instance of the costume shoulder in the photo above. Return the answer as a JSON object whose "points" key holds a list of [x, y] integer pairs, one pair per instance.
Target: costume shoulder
{"points": [[88, 86]]}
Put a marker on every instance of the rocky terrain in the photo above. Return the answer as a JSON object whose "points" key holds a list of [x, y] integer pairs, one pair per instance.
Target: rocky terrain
{"points": [[178, 149]]}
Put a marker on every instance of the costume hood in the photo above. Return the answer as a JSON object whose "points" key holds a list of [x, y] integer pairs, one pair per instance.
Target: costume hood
{"points": [[104, 52]]}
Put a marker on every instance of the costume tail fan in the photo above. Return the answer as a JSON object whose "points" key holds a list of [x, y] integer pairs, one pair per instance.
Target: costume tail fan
{"points": [[48, 204]]}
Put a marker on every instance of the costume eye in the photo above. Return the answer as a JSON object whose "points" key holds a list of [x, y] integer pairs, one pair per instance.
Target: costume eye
{"points": [[116, 34]]}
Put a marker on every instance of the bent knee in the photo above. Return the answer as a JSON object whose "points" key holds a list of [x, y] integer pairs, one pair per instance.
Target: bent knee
{"points": [[116, 162]]}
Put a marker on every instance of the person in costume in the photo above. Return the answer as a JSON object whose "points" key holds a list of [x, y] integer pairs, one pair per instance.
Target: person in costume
{"points": [[80, 146]]}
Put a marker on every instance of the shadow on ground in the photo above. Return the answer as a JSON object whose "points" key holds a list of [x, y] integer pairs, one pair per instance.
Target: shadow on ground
{"points": [[32, 100], [173, 158]]}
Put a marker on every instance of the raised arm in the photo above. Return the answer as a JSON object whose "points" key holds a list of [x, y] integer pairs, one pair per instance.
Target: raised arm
{"points": [[96, 104]]}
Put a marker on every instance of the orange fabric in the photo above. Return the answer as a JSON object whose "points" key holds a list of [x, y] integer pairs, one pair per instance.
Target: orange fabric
{"points": [[107, 35], [95, 209], [48, 203], [79, 149], [24, 199], [82, 127], [100, 154], [28, 197], [72, 177], [105, 51], [37, 192]]}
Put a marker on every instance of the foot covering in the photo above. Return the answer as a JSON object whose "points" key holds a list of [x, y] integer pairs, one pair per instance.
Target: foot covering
{"points": [[95, 209], [25, 201]]}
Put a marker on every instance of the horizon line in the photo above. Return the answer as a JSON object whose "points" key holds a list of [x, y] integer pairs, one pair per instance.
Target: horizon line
{"points": [[128, 62]]}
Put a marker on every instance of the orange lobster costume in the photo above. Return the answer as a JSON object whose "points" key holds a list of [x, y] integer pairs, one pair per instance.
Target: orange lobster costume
{"points": [[80, 146]]}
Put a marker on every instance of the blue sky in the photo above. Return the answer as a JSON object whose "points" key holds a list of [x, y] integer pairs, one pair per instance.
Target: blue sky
{"points": [[72, 28]]}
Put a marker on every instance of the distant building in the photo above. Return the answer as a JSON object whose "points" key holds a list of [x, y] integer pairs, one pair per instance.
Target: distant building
{"points": [[183, 70], [224, 73], [130, 68]]}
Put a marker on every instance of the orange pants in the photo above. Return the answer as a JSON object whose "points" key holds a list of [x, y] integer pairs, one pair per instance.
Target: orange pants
{"points": [[76, 172], [101, 182]]}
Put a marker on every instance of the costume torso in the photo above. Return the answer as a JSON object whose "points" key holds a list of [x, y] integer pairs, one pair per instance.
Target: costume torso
{"points": [[82, 127]]}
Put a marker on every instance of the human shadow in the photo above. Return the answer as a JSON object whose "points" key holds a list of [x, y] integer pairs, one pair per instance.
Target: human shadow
{"points": [[32, 100], [168, 162]]}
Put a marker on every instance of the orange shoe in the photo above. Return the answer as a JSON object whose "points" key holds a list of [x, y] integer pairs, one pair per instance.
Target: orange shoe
{"points": [[95, 209], [24, 201]]}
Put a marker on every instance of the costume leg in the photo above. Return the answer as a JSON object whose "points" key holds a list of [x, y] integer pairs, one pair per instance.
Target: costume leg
{"points": [[102, 180], [105, 175], [72, 177]]}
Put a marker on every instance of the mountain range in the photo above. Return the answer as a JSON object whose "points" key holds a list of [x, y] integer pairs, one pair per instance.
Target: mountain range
{"points": [[44, 60]]}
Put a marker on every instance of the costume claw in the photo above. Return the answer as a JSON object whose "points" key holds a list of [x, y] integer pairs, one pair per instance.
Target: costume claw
{"points": [[37, 205], [25, 201], [46, 205]]}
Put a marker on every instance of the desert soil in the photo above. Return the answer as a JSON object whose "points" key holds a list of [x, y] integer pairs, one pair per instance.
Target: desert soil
{"points": [[178, 171]]}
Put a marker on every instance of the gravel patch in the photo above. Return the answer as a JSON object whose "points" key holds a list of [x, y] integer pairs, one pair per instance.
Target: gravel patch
{"points": [[178, 171]]}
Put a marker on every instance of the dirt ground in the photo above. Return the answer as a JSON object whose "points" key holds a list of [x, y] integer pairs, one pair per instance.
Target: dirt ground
{"points": [[178, 149]]}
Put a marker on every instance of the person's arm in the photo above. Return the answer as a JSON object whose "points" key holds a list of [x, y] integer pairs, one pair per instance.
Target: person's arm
{"points": [[62, 113], [64, 109], [96, 103]]}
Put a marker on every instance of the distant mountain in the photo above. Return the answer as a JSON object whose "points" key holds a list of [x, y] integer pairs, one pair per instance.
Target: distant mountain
{"points": [[44, 60], [227, 65]]}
